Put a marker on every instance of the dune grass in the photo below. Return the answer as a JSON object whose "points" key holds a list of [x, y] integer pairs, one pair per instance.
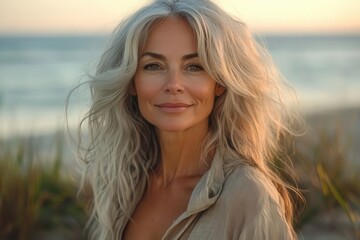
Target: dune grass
{"points": [[38, 200], [327, 180]]}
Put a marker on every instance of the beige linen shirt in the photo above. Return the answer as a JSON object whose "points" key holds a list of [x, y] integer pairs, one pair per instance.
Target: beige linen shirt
{"points": [[236, 204]]}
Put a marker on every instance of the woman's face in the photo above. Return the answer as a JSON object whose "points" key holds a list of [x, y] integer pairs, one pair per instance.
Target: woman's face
{"points": [[173, 90]]}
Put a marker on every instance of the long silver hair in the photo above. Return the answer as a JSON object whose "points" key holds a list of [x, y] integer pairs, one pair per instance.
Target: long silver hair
{"points": [[246, 124]]}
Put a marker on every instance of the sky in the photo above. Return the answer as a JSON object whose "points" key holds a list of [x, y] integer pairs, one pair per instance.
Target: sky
{"points": [[99, 16]]}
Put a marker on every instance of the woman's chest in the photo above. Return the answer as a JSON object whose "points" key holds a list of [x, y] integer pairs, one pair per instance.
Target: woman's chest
{"points": [[156, 212]]}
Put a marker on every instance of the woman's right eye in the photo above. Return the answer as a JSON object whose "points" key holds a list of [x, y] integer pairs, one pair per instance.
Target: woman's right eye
{"points": [[152, 67]]}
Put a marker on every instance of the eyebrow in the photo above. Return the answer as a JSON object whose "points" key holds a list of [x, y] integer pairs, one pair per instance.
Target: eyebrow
{"points": [[162, 57]]}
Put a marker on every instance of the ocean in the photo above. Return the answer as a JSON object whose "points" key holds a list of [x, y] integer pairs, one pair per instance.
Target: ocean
{"points": [[37, 73]]}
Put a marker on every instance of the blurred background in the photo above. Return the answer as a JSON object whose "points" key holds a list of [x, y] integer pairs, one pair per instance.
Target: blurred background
{"points": [[46, 47]]}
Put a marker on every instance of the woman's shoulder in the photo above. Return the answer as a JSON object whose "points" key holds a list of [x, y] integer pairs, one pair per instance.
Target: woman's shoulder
{"points": [[248, 185], [252, 202], [247, 208]]}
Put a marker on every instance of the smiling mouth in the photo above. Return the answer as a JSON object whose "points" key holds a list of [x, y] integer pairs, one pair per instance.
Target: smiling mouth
{"points": [[173, 107]]}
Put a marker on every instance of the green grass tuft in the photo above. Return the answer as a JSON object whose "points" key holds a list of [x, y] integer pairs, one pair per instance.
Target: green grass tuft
{"points": [[36, 200]]}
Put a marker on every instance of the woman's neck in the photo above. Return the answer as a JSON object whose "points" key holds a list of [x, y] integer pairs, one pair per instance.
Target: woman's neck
{"points": [[181, 154]]}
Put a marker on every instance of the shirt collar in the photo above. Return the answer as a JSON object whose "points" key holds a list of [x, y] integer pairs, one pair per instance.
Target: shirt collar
{"points": [[209, 187], [204, 195]]}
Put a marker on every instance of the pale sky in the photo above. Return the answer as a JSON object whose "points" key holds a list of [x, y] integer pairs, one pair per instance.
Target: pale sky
{"points": [[99, 16]]}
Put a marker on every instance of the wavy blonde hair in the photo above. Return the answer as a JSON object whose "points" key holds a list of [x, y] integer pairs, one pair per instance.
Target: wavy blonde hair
{"points": [[247, 121]]}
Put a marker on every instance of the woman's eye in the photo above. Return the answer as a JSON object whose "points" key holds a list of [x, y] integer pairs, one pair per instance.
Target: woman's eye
{"points": [[195, 68], [152, 67]]}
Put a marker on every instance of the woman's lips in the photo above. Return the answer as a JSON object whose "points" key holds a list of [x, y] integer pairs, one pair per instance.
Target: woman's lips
{"points": [[173, 107]]}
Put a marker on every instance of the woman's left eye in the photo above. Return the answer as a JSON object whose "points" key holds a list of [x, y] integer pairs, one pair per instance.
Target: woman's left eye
{"points": [[194, 68]]}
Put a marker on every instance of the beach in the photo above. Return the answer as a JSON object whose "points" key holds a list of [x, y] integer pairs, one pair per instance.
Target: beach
{"points": [[37, 73], [345, 122]]}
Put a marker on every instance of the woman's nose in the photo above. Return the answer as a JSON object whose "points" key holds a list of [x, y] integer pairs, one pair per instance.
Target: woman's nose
{"points": [[174, 83]]}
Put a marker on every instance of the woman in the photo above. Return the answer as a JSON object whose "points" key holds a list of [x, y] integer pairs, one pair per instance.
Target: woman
{"points": [[187, 113]]}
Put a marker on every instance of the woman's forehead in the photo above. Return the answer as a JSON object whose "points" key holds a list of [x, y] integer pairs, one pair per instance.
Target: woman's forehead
{"points": [[171, 34]]}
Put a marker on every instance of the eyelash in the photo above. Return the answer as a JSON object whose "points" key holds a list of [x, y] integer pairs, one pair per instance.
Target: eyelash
{"points": [[157, 67], [197, 66], [152, 67]]}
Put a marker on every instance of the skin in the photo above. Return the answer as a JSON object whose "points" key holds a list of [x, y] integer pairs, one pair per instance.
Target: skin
{"points": [[175, 95]]}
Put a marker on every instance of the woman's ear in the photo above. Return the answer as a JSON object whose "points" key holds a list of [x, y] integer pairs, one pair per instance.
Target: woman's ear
{"points": [[219, 90]]}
